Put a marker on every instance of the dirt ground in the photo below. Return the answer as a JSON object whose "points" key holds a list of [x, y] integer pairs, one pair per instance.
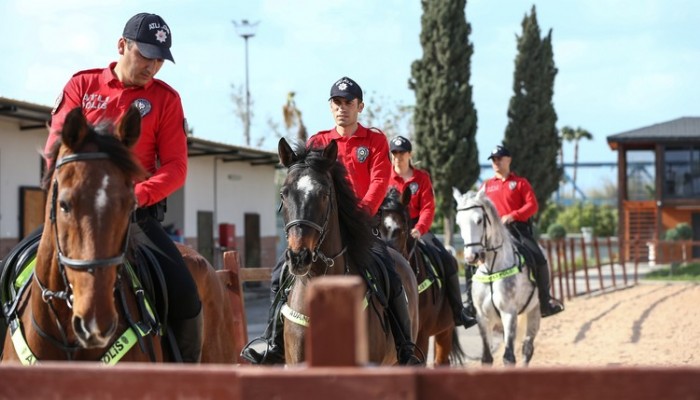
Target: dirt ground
{"points": [[651, 324]]}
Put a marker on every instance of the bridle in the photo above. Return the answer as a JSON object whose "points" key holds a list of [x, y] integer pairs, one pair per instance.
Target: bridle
{"points": [[63, 261], [316, 254], [485, 223]]}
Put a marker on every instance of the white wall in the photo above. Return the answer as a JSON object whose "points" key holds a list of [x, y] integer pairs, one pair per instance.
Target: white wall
{"points": [[229, 190], [20, 165]]}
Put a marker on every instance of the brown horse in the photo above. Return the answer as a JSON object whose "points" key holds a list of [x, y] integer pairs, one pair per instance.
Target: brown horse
{"points": [[327, 234], [80, 304], [436, 317]]}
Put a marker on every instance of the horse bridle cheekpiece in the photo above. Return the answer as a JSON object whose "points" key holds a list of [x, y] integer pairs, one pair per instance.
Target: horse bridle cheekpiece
{"points": [[70, 262]]}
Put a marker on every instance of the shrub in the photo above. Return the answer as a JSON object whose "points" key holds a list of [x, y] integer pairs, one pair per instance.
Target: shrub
{"points": [[556, 232]]}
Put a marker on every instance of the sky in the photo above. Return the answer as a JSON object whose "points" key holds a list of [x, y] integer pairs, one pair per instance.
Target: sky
{"points": [[623, 64]]}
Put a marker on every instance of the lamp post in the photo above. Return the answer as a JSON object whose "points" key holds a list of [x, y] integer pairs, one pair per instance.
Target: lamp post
{"points": [[246, 30]]}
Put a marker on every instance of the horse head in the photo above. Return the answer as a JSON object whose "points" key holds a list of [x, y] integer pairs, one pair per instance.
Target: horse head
{"points": [[90, 200], [308, 199], [474, 216], [393, 224]]}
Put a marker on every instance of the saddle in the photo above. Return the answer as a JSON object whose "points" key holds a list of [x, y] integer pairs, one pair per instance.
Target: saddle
{"points": [[142, 270], [435, 269]]}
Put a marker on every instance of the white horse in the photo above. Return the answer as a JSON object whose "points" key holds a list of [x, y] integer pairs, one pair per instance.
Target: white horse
{"points": [[501, 288]]}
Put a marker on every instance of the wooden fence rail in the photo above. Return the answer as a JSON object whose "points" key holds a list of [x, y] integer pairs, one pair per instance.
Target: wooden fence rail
{"points": [[337, 339]]}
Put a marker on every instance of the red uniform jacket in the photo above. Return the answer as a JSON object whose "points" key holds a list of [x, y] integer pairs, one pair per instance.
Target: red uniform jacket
{"points": [[366, 157], [422, 205], [512, 196], [162, 146]]}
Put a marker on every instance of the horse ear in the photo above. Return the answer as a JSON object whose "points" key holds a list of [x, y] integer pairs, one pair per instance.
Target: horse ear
{"points": [[286, 154], [456, 194], [75, 128], [406, 197], [331, 151], [129, 127]]}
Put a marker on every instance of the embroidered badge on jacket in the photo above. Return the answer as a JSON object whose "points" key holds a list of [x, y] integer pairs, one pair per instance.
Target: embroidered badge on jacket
{"points": [[362, 153], [143, 105], [414, 187], [512, 185]]}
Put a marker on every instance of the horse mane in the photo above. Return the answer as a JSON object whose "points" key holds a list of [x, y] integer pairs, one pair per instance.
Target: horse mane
{"points": [[355, 222], [102, 138]]}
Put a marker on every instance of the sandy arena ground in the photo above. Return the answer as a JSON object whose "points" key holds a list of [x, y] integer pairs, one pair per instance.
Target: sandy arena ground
{"points": [[651, 324]]}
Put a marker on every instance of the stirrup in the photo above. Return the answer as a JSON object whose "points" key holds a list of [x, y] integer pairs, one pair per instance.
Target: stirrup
{"points": [[411, 358], [465, 319], [551, 307], [271, 354]]}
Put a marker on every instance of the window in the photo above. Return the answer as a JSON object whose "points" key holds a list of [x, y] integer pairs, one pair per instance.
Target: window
{"points": [[641, 176], [681, 172]]}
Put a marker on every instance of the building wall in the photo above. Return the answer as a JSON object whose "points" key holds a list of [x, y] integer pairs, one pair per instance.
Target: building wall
{"points": [[20, 165]]}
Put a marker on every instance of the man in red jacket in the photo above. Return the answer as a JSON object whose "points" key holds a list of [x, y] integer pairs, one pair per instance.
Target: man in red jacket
{"points": [[365, 154], [516, 204], [104, 95]]}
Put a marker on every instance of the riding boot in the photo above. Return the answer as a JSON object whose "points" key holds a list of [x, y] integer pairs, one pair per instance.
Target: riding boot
{"points": [[274, 341], [401, 328], [273, 337], [469, 304], [188, 336], [454, 296], [548, 304]]}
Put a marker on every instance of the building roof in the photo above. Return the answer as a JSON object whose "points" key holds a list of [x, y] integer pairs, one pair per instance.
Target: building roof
{"points": [[685, 129], [35, 116]]}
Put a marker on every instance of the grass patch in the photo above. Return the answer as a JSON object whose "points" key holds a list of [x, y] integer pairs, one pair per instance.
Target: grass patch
{"points": [[676, 272]]}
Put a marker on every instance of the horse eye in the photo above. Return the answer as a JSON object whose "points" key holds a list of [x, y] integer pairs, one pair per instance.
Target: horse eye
{"points": [[64, 206]]}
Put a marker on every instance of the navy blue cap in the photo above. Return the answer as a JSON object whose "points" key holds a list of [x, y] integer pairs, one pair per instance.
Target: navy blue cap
{"points": [[346, 88], [151, 34], [499, 151], [400, 143]]}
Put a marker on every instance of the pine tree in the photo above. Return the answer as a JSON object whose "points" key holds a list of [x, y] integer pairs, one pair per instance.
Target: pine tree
{"points": [[531, 134], [444, 116]]}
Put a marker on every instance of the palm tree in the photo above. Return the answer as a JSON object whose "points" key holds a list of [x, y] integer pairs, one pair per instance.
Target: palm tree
{"points": [[570, 134]]}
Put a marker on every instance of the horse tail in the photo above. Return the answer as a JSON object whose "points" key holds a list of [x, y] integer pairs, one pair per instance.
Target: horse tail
{"points": [[457, 355]]}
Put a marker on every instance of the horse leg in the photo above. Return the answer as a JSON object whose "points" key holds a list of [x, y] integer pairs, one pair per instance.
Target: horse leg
{"points": [[510, 325], [423, 343], [443, 347], [485, 330], [533, 326]]}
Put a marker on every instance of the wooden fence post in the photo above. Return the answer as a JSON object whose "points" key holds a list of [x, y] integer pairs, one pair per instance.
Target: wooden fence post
{"points": [[230, 275], [337, 334]]}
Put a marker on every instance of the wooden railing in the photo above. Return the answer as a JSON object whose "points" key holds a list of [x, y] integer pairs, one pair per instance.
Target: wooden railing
{"points": [[336, 368]]}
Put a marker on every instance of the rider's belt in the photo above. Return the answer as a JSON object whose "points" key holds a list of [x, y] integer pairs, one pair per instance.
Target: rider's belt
{"points": [[156, 211]]}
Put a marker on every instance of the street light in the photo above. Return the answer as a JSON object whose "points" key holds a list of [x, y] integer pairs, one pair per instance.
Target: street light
{"points": [[246, 30]]}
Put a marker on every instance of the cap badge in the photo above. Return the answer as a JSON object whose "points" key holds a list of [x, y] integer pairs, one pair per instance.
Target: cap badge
{"points": [[342, 86], [362, 153], [398, 141], [161, 36]]}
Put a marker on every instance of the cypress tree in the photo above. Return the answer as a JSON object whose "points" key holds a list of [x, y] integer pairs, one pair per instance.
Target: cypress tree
{"points": [[531, 134], [444, 117]]}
